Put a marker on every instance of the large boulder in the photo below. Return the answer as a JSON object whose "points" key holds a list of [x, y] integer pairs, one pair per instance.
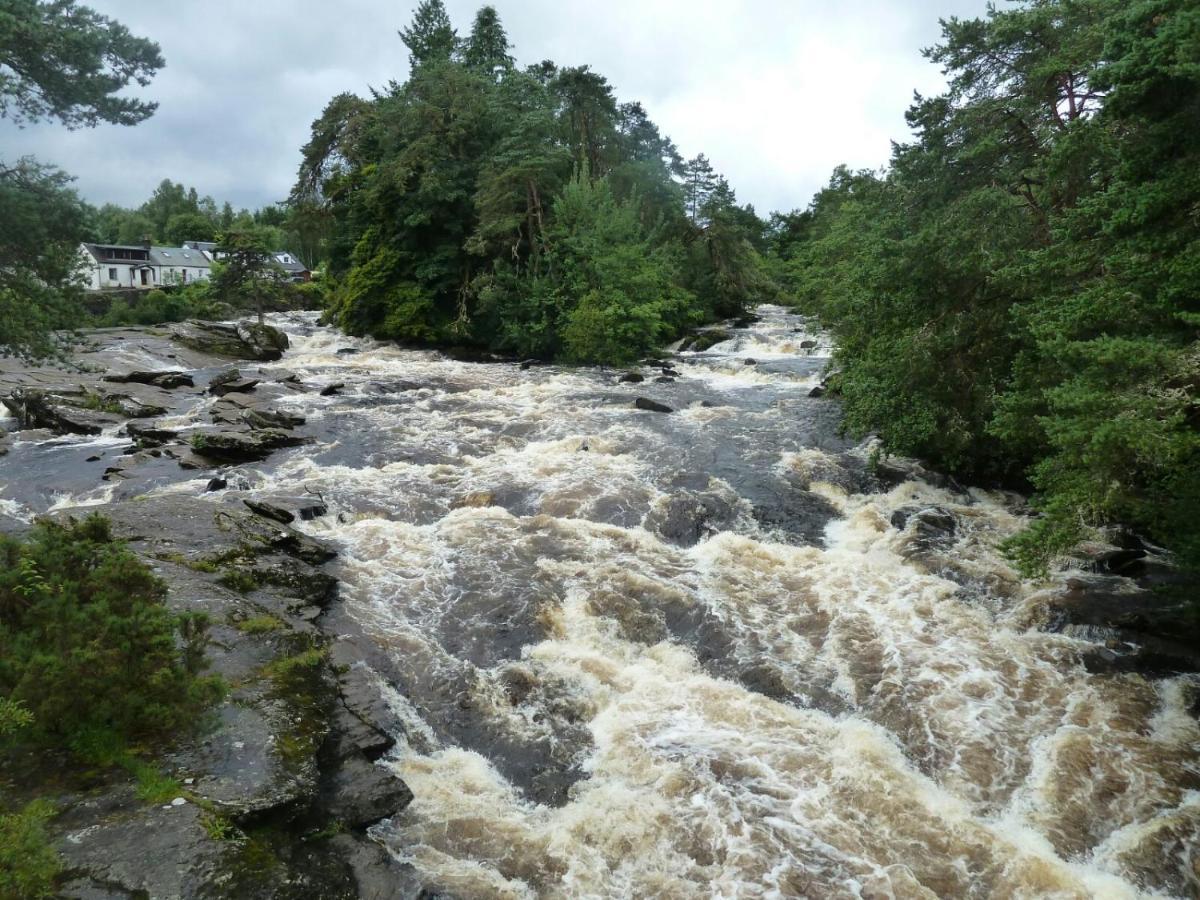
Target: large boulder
{"points": [[359, 793], [703, 340], [243, 446], [245, 340], [685, 517], [38, 409], [165, 380]]}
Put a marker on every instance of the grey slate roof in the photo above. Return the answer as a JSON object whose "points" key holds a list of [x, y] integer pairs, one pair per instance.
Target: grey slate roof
{"points": [[171, 257], [102, 253], [178, 256]]}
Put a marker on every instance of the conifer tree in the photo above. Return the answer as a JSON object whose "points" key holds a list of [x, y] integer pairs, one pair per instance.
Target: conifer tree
{"points": [[486, 50], [430, 37]]}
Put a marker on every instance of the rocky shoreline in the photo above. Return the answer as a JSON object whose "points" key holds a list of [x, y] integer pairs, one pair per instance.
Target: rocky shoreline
{"points": [[280, 786]]}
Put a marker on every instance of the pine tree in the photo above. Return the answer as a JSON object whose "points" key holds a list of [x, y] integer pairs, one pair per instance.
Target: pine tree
{"points": [[486, 50], [430, 37], [700, 182]]}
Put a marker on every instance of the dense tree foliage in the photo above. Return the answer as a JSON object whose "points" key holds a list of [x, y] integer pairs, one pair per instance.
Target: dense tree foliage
{"points": [[41, 224], [63, 62], [522, 210], [81, 616], [175, 213], [1018, 295]]}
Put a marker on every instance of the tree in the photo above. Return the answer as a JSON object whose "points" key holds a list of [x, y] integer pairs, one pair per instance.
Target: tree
{"points": [[699, 181], [66, 62], [456, 209], [59, 60], [1014, 298], [42, 222], [189, 226], [486, 50], [247, 274], [430, 38]]}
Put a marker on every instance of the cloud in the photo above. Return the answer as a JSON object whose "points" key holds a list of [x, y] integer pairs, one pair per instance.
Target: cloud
{"points": [[775, 92]]}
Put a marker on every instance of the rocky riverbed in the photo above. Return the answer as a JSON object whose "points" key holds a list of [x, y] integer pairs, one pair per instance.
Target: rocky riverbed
{"points": [[508, 629]]}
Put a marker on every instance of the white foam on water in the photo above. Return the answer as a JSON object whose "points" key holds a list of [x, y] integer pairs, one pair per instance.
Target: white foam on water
{"points": [[866, 718]]}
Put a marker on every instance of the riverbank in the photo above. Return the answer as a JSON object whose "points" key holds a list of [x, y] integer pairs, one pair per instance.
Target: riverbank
{"points": [[274, 794], [567, 609]]}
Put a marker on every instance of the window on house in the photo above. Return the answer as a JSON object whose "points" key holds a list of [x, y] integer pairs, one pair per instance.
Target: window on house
{"points": [[112, 274]]}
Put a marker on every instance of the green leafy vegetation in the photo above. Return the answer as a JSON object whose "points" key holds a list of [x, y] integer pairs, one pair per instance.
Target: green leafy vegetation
{"points": [[64, 62], [81, 615], [522, 210], [192, 301], [1016, 296], [264, 624], [28, 863]]}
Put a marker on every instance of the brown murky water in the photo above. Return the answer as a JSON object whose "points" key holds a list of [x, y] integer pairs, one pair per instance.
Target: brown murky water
{"points": [[687, 655]]}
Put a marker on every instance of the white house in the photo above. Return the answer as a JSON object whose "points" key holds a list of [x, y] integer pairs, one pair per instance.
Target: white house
{"points": [[293, 268], [142, 266]]}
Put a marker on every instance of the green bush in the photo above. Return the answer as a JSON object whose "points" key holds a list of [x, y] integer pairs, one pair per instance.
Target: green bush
{"points": [[190, 301], [82, 617], [28, 863]]}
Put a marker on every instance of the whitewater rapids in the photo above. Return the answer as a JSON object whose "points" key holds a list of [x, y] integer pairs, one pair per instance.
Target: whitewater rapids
{"points": [[681, 655]]}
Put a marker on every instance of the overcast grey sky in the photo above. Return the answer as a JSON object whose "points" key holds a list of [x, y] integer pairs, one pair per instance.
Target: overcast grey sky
{"points": [[775, 92]]}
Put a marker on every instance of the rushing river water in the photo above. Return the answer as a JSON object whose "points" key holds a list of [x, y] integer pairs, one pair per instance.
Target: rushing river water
{"points": [[686, 654]]}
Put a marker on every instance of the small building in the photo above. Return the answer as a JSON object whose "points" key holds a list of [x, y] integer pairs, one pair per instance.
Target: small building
{"points": [[295, 270], [291, 265], [143, 266]]}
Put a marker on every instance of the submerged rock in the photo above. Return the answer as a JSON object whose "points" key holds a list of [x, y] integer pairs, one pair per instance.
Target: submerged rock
{"points": [[631, 378], [652, 405], [685, 517]]}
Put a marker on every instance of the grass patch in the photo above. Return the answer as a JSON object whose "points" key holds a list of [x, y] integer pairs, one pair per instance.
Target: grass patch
{"points": [[99, 403], [263, 624], [239, 580], [152, 785], [300, 663]]}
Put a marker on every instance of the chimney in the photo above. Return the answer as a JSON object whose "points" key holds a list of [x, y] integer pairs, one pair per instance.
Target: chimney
{"points": [[146, 242]]}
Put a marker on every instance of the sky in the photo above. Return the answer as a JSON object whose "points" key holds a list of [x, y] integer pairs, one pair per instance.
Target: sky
{"points": [[775, 92]]}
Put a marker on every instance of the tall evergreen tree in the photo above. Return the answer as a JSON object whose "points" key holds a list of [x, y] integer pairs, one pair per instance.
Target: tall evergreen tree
{"points": [[430, 38], [486, 50], [699, 182]]}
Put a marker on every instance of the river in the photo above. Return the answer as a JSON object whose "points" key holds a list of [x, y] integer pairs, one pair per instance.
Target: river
{"points": [[688, 654]]}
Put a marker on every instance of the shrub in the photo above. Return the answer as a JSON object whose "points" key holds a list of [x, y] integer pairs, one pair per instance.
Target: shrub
{"points": [[28, 863], [82, 616]]}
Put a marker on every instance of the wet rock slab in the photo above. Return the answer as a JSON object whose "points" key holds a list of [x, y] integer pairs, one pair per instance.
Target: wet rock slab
{"points": [[291, 751]]}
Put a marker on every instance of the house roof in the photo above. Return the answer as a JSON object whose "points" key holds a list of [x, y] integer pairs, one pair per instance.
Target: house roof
{"points": [[289, 263], [208, 246], [104, 252], [178, 256], [175, 257]]}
